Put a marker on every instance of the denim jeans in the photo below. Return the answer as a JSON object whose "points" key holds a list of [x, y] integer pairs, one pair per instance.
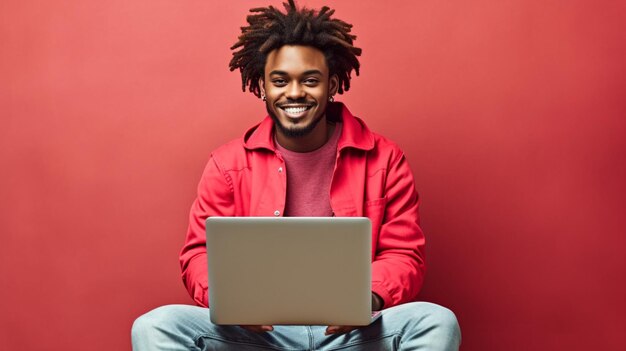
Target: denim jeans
{"points": [[412, 326]]}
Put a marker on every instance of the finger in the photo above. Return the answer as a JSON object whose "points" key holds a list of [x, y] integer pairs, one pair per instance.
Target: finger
{"points": [[258, 328], [336, 329]]}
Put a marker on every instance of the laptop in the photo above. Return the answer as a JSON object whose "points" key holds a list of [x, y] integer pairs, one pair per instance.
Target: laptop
{"points": [[290, 270]]}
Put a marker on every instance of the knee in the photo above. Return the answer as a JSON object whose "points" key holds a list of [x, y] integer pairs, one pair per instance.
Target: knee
{"points": [[146, 324], [142, 326], [446, 319], [438, 322], [442, 320]]}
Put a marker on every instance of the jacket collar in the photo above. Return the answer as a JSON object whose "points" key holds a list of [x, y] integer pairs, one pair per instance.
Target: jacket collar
{"points": [[354, 132]]}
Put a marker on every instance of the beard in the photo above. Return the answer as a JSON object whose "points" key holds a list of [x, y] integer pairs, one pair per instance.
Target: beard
{"points": [[296, 131]]}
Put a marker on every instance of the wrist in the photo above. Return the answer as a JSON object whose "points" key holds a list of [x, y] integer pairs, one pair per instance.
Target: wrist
{"points": [[377, 302]]}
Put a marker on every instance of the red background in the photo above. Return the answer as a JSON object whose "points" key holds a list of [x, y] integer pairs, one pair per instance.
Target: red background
{"points": [[511, 114]]}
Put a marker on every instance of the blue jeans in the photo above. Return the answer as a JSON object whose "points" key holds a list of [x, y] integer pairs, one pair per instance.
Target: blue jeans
{"points": [[412, 326]]}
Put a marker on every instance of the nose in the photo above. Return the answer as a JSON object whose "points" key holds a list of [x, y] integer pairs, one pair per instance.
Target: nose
{"points": [[295, 91]]}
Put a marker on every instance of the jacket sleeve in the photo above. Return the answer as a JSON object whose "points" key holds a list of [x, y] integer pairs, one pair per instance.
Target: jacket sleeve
{"points": [[398, 267], [215, 198]]}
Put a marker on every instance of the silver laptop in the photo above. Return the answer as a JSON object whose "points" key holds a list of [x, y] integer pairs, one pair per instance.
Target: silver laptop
{"points": [[290, 270]]}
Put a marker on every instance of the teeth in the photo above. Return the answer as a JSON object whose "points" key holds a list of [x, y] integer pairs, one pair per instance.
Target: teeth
{"points": [[295, 110]]}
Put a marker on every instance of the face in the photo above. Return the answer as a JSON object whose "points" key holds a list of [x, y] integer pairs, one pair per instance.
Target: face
{"points": [[297, 87]]}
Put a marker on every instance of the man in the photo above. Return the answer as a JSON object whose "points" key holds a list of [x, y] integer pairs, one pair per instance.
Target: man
{"points": [[309, 157]]}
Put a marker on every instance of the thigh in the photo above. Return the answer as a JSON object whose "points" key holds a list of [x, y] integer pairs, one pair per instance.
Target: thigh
{"points": [[186, 327], [403, 327]]}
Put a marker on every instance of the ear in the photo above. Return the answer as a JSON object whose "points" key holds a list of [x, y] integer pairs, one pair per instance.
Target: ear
{"points": [[333, 85], [262, 85]]}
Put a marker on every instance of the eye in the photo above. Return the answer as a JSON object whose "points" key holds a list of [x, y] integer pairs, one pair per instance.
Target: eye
{"points": [[311, 81], [279, 82]]}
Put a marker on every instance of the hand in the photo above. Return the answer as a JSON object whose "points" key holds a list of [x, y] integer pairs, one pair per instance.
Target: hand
{"points": [[339, 329], [377, 302], [258, 328]]}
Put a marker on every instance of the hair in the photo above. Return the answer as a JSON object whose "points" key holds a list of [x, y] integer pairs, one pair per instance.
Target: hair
{"points": [[270, 29]]}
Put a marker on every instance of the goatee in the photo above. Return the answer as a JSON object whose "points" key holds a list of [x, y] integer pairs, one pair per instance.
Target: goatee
{"points": [[294, 132]]}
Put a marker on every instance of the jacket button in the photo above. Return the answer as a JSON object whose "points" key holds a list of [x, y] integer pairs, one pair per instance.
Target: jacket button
{"points": [[277, 213], [280, 170]]}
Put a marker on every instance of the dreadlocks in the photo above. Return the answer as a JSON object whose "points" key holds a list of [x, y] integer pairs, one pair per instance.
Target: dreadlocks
{"points": [[270, 29]]}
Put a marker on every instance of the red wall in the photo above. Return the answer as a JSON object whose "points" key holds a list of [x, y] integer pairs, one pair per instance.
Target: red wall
{"points": [[511, 114]]}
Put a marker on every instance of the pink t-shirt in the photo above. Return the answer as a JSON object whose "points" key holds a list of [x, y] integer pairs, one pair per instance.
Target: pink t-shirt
{"points": [[308, 178]]}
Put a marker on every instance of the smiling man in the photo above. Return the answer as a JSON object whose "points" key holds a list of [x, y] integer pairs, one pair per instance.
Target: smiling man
{"points": [[309, 157]]}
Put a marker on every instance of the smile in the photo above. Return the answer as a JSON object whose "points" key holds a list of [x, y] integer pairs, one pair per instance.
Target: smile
{"points": [[295, 111]]}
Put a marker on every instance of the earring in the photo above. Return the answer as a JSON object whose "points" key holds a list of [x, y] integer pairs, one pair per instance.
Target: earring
{"points": [[331, 99], [263, 98]]}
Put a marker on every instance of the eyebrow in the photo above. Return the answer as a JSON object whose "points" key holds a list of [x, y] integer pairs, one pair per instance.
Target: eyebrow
{"points": [[305, 73]]}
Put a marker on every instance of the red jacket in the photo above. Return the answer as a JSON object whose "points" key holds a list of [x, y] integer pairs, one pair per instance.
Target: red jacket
{"points": [[371, 178]]}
